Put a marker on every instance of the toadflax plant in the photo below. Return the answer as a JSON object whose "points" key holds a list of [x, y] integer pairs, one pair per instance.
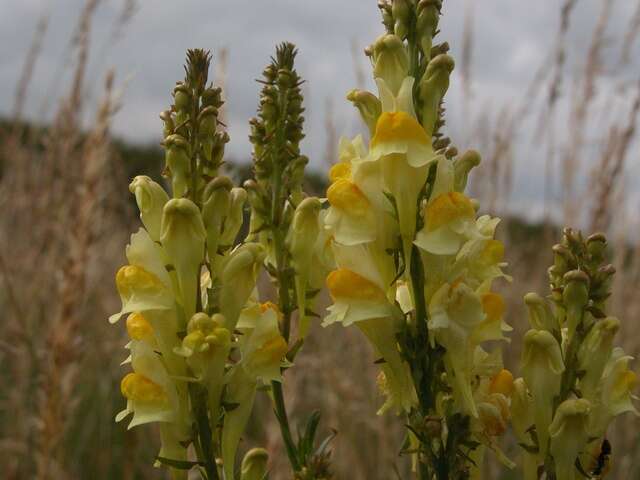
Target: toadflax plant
{"points": [[196, 353], [415, 264], [406, 259], [201, 341], [574, 381]]}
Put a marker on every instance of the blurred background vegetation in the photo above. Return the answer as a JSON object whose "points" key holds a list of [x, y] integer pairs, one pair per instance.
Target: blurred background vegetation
{"points": [[66, 214]]}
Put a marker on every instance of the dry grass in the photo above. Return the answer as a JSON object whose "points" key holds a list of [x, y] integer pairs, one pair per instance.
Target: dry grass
{"points": [[65, 217]]}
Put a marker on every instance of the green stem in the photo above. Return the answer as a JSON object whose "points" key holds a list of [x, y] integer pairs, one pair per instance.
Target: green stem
{"points": [[204, 445], [285, 430], [278, 201]]}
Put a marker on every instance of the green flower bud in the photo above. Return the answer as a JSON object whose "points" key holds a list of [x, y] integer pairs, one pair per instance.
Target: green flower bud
{"points": [[241, 391], [540, 315], [521, 410], [594, 354], [569, 435], [295, 178], [260, 210], [217, 152], [401, 12], [563, 259], [168, 123], [427, 23], [301, 240], [151, 199], [212, 97], [182, 97], [596, 246], [391, 61], [183, 237], [575, 297], [239, 279], [233, 222], [254, 464], [208, 120], [542, 367], [368, 105], [215, 207], [178, 160], [433, 85], [601, 284], [462, 166]]}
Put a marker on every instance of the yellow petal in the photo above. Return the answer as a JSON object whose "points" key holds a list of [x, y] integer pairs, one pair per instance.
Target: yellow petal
{"points": [[132, 278], [446, 208], [138, 327], [340, 170], [398, 127], [502, 383], [343, 283], [139, 388], [346, 196]]}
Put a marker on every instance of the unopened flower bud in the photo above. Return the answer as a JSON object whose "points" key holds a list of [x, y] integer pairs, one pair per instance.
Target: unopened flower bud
{"points": [[391, 61], [212, 97], [233, 222], [562, 259], [208, 121], [401, 11], [542, 367], [178, 160], [168, 123], [540, 315], [596, 246], [433, 85], [254, 464], [215, 207], [427, 24], [183, 237], [462, 166], [151, 199], [182, 97], [300, 241], [595, 352], [569, 435], [368, 105], [238, 280], [575, 297], [521, 410]]}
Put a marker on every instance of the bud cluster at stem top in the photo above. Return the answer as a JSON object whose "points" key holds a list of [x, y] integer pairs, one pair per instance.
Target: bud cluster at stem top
{"points": [[277, 131], [193, 141]]}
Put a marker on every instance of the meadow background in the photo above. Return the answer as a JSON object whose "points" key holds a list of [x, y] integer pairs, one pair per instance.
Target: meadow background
{"points": [[547, 91]]}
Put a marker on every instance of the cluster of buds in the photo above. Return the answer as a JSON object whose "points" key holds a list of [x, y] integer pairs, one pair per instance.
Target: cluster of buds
{"points": [[288, 225], [414, 262], [574, 380], [193, 140], [283, 220], [200, 342]]}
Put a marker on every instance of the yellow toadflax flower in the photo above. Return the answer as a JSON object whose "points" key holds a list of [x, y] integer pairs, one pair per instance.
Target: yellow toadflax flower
{"points": [[542, 367], [569, 435], [262, 347], [455, 312], [360, 301], [144, 284]]}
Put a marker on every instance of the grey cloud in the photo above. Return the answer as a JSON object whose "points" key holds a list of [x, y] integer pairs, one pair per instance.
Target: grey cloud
{"points": [[511, 39]]}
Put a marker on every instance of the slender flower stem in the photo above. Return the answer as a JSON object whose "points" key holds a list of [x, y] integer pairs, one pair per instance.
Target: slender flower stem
{"points": [[283, 420]]}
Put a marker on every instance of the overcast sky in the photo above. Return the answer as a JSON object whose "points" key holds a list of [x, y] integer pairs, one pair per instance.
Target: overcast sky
{"points": [[512, 38]]}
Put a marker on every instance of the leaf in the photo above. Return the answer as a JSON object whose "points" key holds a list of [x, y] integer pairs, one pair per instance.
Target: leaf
{"points": [[529, 448], [293, 351], [179, 464], [229, 406]]}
